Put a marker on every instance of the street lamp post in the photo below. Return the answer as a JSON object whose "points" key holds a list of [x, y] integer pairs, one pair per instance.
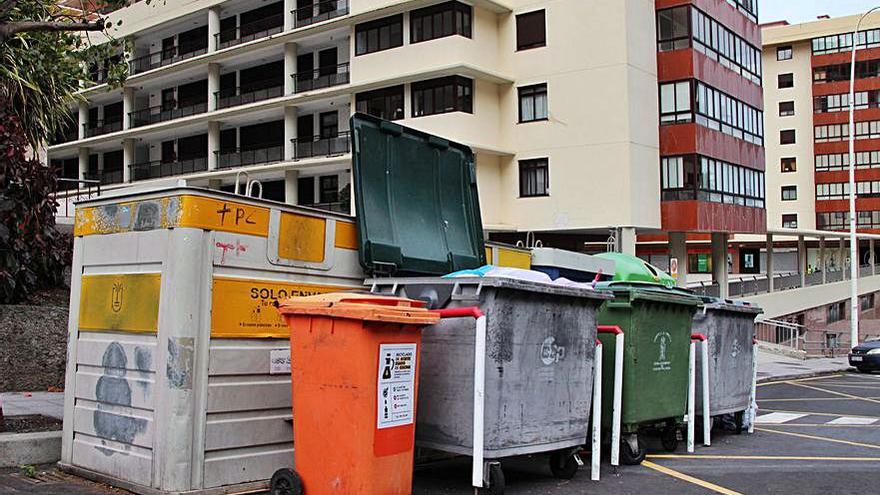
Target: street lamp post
{"points": [[853, 241]]}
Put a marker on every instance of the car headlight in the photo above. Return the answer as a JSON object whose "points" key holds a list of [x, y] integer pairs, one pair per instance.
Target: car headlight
{"points": [[873, 351]]}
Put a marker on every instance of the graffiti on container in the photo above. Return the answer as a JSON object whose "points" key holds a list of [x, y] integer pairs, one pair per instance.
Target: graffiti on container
{"points": [[663, 363], [235, 249], [143, 361], [736, 350], [551, 353], [235, 215], [180, 362], [113, 388]]}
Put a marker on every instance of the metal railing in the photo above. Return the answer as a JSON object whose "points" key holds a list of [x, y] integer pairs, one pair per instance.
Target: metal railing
{"points": [[317, 146], [157, 114], [319, 12], [322, 77], [157, 169], [103, 127], [71, 191], [242, 158], [106, 177], [64, 136], [782, 333], [166, 57], [236, 97], [262, 28], [338, 206], [758, 284]]}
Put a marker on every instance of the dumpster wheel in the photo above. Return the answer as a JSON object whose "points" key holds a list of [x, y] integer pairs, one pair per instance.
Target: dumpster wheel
{"points": [[286, 482], [563, 464], [669, 438], [632, 451], [494, 479]]}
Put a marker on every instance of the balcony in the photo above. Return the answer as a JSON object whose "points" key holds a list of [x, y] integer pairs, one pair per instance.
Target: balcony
{"points": [[157, 114], [319, 12], [102, 127], [243, 96], [249, 32], [338, 206], [105, 177], [157, 169], [318, 146], [323, 77], [166, 57], [64, 136], [242, 158]]}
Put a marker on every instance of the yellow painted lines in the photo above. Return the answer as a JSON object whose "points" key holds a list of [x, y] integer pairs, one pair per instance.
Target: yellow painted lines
{"points": [[810, 379], [824, 439], [848, 385], [764, 458], [833, 392], [690, 479]]}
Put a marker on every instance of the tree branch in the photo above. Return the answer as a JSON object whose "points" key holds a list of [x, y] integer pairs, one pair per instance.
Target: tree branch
{"points": [[11, 28]]}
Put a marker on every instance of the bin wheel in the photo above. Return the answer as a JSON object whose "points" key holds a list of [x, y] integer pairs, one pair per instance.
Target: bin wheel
{"points": [[669, 438], [563, 465], [286, 482], [630, 456], [496, 480], [739, 420]]}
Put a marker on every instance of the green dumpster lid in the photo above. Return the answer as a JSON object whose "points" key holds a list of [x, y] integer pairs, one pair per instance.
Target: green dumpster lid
{"points": [[416, 201], [628, 268]]}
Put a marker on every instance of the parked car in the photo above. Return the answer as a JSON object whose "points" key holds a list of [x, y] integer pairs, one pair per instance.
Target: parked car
{"points": [[866, 356]]}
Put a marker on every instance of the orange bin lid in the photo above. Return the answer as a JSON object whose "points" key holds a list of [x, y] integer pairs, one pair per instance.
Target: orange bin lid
{"points": [[368, 307]]}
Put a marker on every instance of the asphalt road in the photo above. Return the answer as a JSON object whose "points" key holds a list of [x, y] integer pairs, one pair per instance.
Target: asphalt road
{"points": [[817, 436]]}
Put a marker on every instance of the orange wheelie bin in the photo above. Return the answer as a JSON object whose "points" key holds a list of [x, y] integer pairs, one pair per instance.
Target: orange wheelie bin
{"points": [[354, 369]]}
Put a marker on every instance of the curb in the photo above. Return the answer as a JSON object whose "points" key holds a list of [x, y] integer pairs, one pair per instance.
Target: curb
{"points": [[17, 449], [795, 376]]}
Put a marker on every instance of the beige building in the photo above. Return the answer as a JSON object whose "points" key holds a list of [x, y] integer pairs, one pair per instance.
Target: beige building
{"points": [[559, 104]]}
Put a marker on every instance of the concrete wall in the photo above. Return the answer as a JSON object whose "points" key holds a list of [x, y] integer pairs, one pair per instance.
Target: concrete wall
{"points": [[779, 304], [33, 346]]}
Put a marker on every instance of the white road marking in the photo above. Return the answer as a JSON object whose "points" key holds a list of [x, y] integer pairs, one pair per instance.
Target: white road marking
{"points": [[777, 418], [847, 420]]}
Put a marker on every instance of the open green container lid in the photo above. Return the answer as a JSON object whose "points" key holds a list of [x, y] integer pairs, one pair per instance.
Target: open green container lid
{"points": [[628, 268], [416, 201]]}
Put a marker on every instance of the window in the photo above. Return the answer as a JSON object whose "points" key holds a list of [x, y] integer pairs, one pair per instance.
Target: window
{"points": [[786, 108], [329, 189], [534, 179], [841, 72], [866, 302], [840, 132], [843, 42], [531, 30], [789, 165], [378, 35], [443, 95], [789, 221], [673, 31], [783, 53], [785, 80], [696, 177], [721, 112], [836, 312], [675, 103], [787, 137], [533, 103], [438, 21], [789, 193], [385, 103], [714, 40], [840, 102]]}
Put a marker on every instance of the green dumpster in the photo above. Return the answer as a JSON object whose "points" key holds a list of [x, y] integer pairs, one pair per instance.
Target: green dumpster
{"points": [[656, 321]]}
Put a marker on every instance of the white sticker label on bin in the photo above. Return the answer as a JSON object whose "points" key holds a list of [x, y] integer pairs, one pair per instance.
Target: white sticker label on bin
{"points": [[396, 385], [279, 361]]}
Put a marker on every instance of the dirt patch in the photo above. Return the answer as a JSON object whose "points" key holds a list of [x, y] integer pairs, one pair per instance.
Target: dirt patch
{"points": [[30, 423], [33, 347]]}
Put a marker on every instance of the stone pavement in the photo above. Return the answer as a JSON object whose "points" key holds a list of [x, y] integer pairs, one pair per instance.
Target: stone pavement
{"points": [[22, 403], [773, 367]]}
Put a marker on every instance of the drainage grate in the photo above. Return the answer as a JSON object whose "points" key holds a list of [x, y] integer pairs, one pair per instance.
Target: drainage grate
{"points": [[42, 477]]}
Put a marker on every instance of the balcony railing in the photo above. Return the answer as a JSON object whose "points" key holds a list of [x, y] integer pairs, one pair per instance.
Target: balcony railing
{"points": [[154, 170], [106, 177], [250, 31], [318, 146], [165, 57], [319, 11], [323, 77], [103, 127], [242, 158], [338, 206], [71, 191], [64, 136], [153, 115], [243, 96]]}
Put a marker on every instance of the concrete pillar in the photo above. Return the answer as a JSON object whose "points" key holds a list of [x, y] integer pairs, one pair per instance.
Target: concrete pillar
{"points": [[213, 85], [127, 106], [843, 256], [822, 264], [127, 159], [289, 6], [213, 144], [627, 240], [83, 118], [802, 260], [678, 251], [719, 263], [291, 193], [289, 133], [83, 162], [100, 163], [871, 256], [213, 28], [770, 270], [289, 68]]}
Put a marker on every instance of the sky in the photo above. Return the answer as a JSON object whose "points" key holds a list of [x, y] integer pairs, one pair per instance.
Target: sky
{"points": [[806, 10]]}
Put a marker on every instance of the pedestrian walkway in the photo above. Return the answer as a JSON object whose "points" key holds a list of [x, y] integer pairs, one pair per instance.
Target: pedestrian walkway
{"points": [[22, 403], [775, 367]]}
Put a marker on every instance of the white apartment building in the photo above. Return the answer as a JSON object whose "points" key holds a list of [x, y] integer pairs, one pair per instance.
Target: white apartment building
{"points": [[558, 102]]}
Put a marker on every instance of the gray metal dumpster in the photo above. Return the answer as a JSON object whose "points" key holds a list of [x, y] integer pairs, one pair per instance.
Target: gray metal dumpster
{"points": [[729, 328], [538, 374]]}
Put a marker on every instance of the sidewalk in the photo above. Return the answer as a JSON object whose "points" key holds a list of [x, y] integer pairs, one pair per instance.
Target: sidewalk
{"points": [[22, 403], [772, 367]]}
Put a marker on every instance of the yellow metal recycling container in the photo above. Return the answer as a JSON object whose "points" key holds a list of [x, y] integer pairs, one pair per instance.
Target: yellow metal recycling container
{"points": [[178, 373]]}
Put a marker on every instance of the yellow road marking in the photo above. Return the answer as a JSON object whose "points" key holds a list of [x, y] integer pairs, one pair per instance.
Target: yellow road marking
{"points": [[764, 458], [818, 413], [812, 398], [836, 393], [689, 479], [847, 385], [810, 379], [825, 439]]}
